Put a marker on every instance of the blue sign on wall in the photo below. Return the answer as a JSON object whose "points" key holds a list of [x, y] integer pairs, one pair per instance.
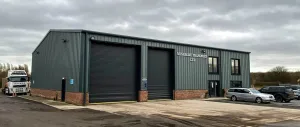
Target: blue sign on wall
{"points": [[71, 81]]}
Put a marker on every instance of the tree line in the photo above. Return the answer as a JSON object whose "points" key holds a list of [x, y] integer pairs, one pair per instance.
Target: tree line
{"points": [[275, 76], [4, 67]]}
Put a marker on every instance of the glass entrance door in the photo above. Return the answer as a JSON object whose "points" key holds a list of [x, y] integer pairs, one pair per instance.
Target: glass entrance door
{"points": [[213, 88]]}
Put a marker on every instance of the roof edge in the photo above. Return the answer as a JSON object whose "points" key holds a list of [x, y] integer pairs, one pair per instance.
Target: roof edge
{"points": [[41, 41], [57, 30], [169, 42], [138, 38]]}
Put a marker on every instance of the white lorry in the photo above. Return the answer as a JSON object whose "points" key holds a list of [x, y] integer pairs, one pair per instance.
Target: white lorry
{"points": [[17, 82]]}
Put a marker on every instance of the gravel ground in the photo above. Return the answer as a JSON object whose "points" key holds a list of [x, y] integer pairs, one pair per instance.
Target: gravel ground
{"points": [[16, 112]]}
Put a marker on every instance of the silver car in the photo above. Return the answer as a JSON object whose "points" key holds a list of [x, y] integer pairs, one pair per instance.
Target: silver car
{"points": [[296, 90], [248, 94]]}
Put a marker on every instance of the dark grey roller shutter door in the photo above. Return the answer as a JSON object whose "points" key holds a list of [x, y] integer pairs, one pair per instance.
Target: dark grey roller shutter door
{"points": [[160, 71], [113, 73]]}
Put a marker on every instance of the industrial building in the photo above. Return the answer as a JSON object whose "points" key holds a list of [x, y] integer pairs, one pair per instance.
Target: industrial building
{"points": [[104, 67]]}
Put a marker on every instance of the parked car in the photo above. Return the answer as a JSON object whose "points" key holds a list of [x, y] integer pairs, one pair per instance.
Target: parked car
{"points": [[281, 93], [296, 89], [248, 94]]}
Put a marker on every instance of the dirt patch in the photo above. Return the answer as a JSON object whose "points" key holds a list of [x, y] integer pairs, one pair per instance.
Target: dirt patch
{"points": [[161, 125], [106, 117], [179, 114], [133, 122], [230, 120], [182, 121]]}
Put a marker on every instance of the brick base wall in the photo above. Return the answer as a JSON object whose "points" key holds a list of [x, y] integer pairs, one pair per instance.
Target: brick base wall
{"points": [[189, 94], [143, 96], [70, 97]]}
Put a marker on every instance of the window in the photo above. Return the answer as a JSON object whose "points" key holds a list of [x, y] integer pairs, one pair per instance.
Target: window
{"points": [[236, 84], [264, 89], [231, 90], [238, 90], [235, 66], [246, 91], [213, 65], [17, 79]]}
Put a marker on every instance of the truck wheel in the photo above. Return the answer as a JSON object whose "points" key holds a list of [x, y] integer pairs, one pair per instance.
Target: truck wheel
{"points": [[6, 93], [278, 98]]}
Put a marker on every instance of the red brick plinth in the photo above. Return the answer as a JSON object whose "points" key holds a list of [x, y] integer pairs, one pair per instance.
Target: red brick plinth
{"points": [[189, 94], [143, 96], [70, 97]]}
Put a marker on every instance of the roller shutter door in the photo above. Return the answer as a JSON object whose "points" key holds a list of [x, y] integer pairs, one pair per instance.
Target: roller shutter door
{"points": [[160, 74], [113, 73]]}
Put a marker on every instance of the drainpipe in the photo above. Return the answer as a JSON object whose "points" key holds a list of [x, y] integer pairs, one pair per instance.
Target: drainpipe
{"points": [[85, 72]]}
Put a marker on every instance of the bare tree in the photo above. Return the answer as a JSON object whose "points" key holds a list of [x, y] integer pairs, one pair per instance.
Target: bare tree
{"points": [[279, 74], [26, 68]]}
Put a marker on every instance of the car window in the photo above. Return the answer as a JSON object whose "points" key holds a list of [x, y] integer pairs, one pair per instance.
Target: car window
{"points": [[273, 89], [294, 87], [231, 90], [239, 90], [265, 89], [288, 89], [246, 91]]}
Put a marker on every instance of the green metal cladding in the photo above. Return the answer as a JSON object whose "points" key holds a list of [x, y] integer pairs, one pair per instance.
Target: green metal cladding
{"points": [[71, 59]]}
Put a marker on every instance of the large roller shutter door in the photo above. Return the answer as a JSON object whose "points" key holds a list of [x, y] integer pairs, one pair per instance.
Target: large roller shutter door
{"points": [[160, 74], [114, 71]]}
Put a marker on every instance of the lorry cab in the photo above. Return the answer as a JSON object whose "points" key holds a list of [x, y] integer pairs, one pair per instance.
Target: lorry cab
{"points": [[17, 82]]}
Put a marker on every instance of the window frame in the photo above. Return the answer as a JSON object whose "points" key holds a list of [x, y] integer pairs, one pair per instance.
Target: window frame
{"points": [[234, 66], [213, 72], [236, 81]]}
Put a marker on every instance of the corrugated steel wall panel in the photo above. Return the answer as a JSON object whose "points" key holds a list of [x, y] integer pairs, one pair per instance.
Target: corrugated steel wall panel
{"points": [[226, 68], [56, 60], [188, 75]]}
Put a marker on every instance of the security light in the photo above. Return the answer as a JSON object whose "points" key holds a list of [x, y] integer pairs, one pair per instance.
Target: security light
{"points": [[65, 40], [92, 38], [203, 51]]}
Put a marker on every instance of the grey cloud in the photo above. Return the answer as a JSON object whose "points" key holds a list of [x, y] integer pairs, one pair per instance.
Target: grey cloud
{"points": [[24, 23]]}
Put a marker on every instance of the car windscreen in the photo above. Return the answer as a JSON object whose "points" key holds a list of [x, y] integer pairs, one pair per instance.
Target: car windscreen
{"points": [[254, 91], [295, 87], [17, 79]]}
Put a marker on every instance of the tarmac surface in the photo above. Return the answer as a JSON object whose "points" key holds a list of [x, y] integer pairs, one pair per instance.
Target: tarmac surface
{"points": [[19, 112]]}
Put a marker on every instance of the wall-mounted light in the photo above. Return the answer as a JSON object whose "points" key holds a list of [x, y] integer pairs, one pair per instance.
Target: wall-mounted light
{"points": [[64, 40], [37, 52], [203, 51], [92, 38]]}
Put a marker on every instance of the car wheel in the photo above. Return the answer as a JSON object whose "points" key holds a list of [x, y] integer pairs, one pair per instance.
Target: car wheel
{"points": [[278, 98], [258, 100], [233, 98], [287, 101]]}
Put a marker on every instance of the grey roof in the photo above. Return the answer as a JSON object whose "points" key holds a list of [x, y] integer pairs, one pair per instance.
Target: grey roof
{"points": [[140, 38]]}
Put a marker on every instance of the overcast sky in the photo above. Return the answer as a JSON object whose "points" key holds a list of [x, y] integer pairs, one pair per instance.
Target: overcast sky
{"points": [[270, 29]]}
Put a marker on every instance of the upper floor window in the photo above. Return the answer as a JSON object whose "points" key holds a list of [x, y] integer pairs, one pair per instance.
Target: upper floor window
{"points": [[213, 65], [235, 67]]}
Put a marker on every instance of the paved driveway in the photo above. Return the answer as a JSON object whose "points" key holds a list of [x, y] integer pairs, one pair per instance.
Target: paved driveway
{"points": [[183, 113], [294, 104], [205, 113]]}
